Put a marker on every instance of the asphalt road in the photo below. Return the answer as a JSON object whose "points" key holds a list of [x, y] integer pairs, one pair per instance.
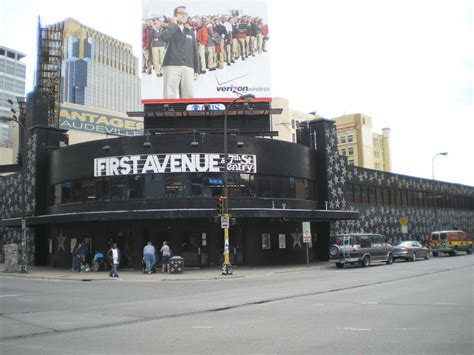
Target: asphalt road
{"points": [[423, 307]]}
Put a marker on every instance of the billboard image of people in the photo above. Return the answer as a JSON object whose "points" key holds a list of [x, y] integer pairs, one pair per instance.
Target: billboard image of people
{"points": [[204, 50]]}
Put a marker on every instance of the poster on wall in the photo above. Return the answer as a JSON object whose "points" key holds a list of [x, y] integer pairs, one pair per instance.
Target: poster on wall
{"points": [[266, 241], [204, 50], [282, 241], [73, 243]]}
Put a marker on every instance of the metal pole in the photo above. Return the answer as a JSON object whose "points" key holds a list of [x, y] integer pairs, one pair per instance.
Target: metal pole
{"points": [[226, 266], [432, 162]]}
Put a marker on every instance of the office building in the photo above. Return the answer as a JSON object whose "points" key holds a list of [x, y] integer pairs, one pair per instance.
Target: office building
{"points": [[355, 137], [361, 146], [12, 84], [98, 70]]}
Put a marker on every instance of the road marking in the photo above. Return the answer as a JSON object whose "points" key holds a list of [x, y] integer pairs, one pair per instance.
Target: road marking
{"points": [[11, 295], [445, 304], [25, 299], [318, 304], [356, 329], [369, 303], [202, 327]]}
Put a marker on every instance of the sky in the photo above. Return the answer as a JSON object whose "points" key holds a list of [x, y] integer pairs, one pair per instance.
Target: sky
{"points": [[408, 64]]}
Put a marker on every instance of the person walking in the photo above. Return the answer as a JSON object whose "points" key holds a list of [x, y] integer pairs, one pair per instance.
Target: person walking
{"points": [[165, 257], [77, 257], [114, 258], [149, 257]]}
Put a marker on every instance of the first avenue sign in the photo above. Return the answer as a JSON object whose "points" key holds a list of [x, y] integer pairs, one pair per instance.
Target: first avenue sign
{"points": [[174, 163]]}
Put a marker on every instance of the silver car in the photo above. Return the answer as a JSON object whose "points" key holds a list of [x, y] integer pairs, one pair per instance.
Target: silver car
{"points": [[410, 250]]}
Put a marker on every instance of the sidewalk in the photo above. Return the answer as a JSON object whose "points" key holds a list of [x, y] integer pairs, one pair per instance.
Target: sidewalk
{"points": [[130, 275]]}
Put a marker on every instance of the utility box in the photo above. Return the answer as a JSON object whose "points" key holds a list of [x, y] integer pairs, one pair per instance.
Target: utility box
{"points": [[11, 257]]}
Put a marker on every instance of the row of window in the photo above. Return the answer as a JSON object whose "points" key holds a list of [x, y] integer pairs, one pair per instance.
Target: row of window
{"points": [[157, 186], [345, 139], [348, 151], [356, 193], [12, 68]]}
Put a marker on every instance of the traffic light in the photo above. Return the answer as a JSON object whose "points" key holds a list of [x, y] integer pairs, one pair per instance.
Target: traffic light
{"points": [[220, 205]]}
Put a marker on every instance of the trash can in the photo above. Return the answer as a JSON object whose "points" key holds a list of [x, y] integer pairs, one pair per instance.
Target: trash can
{"points": [[176, 265]]}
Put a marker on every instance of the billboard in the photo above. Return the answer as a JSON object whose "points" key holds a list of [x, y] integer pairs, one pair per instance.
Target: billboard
{"points": [[94, 120], [204, 50]]}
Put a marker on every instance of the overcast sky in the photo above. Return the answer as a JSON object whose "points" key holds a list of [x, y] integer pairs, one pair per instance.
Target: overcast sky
{"points": [[409, 64]]}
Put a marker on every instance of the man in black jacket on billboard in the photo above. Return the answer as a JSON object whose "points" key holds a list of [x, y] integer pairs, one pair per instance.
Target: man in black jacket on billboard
{"points": [[181, 62]]}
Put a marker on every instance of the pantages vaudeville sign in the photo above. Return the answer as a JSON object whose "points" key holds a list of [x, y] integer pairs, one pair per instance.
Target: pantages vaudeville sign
{"points": [[174, 163]]}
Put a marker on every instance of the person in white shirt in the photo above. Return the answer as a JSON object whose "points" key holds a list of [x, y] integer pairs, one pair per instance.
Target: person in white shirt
{"points": [[165, 258], [114, 258]]}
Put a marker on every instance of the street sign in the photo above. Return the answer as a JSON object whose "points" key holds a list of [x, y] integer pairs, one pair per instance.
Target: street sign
{"points": [[306, 232], [225, 222]]}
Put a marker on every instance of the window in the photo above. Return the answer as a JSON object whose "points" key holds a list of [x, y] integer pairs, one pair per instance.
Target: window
{"points": [[350, 193], [350, 162], [343, 152], [350, 151], [365, 242], [264, 186], [343, 139], [398, 196], [376, 154], [379, 195], [301, 189], [247, 185], [357, 198], [280, 187], [392, 197], [365, 194], [372, 199], [350, 138], [404, 198]]}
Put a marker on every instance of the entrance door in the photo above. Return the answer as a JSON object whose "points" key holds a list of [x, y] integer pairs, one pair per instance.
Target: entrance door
{"points": [[195, 249]]}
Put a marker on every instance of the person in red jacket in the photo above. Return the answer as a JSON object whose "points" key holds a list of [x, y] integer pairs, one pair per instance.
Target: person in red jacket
{"points": [[146, 48], [201, 38], [265, 36]]}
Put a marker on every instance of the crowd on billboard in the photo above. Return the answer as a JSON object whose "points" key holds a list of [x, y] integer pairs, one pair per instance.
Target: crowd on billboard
{"points": [[182, 47]]}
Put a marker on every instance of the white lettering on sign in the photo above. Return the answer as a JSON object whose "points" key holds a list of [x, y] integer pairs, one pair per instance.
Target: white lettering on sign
{"points": [[174, 163]]}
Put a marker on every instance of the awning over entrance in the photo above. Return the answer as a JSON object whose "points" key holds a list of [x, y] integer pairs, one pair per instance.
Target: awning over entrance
{"points": [[98, 216]]}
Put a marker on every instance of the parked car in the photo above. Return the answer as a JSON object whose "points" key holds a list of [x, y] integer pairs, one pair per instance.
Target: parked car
{"points": [[410, 250], [450, 242], [359, 248]]}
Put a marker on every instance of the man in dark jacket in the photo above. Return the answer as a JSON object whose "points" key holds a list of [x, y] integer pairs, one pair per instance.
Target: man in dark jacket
{"points": [[181, 62]]}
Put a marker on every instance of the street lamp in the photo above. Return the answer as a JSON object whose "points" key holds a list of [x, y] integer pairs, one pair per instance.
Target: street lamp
{"points": [[23, 267], [432, 162], [226, 266]]}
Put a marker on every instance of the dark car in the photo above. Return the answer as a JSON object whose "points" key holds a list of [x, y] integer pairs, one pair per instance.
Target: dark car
{"points": [[359, 248], [410, 250]]}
